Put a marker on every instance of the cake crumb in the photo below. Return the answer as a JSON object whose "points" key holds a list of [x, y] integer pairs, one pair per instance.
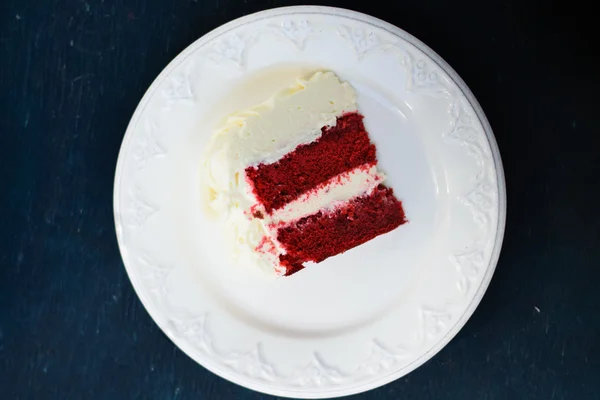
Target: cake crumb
{"points": [[258, 214]]}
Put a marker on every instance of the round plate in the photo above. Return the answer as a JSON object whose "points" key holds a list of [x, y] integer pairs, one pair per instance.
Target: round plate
{"points": [[357, 320]]}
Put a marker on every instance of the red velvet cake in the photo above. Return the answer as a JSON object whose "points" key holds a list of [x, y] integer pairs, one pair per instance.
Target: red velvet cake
{"points": [[302, 190]]}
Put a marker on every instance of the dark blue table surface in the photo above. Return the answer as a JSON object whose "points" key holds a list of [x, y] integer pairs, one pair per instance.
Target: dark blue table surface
{"points": [[71, 75]]}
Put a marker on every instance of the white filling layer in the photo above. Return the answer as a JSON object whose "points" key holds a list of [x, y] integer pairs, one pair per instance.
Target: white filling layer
{"points": [[336, 192], [264, 134]]}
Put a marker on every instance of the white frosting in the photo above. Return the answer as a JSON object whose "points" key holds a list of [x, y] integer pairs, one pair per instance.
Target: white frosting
{"points": [[328, 197], [264, 134]]}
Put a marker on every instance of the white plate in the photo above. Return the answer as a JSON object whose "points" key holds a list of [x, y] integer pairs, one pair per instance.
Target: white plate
{"points": [[355, 321]]}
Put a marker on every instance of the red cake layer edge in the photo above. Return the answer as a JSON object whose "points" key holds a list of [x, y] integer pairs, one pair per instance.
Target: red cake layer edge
{"points": [[323, 235]]}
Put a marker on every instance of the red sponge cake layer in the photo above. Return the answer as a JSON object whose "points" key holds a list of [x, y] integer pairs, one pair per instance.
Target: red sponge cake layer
{"points": [[340, 148], [322, 235]]}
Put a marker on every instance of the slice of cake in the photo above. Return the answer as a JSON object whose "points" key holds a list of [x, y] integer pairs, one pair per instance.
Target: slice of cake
{"points": [[295, 179]]}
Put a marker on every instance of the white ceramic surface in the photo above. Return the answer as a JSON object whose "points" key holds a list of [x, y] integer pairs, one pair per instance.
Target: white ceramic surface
{"points": [[355, 321]]}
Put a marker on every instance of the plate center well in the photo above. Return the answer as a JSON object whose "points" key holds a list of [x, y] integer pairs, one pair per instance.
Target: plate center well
{"points": [[343, 292]]}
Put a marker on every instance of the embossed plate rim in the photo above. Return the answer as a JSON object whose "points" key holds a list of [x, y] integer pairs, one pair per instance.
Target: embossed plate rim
{"points": [[363, 18]]}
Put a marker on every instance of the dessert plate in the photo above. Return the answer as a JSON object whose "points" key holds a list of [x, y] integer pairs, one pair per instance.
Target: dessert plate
{"points": [[360, 319]]}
